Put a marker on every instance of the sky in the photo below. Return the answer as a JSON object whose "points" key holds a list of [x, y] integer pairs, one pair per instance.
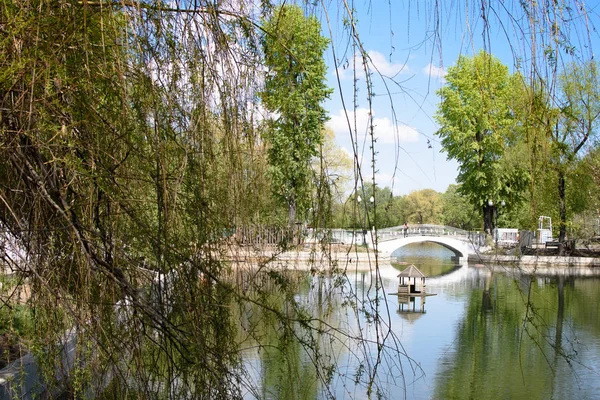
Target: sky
{"points": [[402, 43], [408, 155]]}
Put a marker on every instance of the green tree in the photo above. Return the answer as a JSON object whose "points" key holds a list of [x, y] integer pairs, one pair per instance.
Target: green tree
{"points": [[398, 211], [424, 207], [332, 169], [294, 91], [457, 211], [559, 131], [383, 200], [577, 126], [109, 178], [477, 125]]}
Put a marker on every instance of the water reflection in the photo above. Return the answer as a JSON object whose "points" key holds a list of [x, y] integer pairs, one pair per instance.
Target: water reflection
{"points": [[431, 259], [489, 333], [512, 343], [409, 307]]}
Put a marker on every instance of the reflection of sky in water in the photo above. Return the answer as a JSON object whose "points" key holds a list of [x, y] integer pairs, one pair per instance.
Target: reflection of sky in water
{"points": [[424, 337], [430, 339]]}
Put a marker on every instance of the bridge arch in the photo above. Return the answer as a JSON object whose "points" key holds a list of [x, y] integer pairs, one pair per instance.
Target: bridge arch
{"points": [[458, 247]]}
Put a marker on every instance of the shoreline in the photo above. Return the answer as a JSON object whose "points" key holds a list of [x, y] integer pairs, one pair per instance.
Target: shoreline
{"points": [[305, 259], [364, 259], [537, 261]]}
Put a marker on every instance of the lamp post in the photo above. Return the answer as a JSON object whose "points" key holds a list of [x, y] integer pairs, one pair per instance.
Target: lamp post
{"points": [[495, 218], [491, 216], [363, 220], [373, 239], [362, 228]]}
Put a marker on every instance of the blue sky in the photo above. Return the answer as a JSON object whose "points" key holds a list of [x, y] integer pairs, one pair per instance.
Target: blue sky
{"points": [[401, 41], [408, 156]]}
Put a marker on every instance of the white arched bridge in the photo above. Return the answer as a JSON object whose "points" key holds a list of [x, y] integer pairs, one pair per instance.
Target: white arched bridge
{"points": [[461, 247], [459, 241]]}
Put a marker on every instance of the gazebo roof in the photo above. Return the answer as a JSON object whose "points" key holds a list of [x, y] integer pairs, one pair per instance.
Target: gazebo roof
{"points": [[411, 272]]}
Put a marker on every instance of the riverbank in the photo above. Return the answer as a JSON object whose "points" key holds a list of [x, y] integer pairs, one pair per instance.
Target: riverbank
{"points": [[305, 258], [344, 257], [542, 257], [536, 261]]}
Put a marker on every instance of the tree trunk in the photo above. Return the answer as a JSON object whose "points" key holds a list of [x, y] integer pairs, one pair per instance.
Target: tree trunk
{"points": [[292, 211], [562, 213], [488, 219]]}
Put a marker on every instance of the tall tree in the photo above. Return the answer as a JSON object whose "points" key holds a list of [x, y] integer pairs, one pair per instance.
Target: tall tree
{"points": [[294, 91], [107, 180], [332, 169], [577, 126], [476, 128]]}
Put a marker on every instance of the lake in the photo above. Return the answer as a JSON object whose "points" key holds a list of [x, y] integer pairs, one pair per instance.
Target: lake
{"points": [[486, 334]]}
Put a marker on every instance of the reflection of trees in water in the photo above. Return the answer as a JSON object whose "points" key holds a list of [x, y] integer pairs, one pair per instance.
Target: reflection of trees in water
{"points": [[431, 258], [307, 341], [512, 343], [296, 336]]}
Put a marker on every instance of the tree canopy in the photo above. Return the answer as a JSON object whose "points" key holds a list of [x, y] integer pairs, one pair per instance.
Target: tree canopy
{"points": [[477, 126], [294, 92]]}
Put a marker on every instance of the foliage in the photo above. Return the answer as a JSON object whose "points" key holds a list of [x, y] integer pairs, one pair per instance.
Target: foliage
{"points": [[336, 165], [111, 144], [558, 132], [424, 207], [477, 126], [294, 92], [131, 151], [332, 174], [457, 211], [361, 214], [577, 127], [15, 315]]}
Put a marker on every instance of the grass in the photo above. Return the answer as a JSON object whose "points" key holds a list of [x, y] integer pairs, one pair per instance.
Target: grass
{"points": [[16, 322]]}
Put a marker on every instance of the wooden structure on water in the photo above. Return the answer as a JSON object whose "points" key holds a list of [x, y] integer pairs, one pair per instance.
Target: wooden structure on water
{"points": [[412, 282], [410, 286]]}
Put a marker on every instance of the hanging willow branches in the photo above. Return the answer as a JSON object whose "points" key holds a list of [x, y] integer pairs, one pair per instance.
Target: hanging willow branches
{"points": [[130, 151]]}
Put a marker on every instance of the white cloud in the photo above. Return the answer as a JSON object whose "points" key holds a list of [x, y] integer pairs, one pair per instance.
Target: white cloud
{"points": [[407, 133], [377, 62], [384, 179], [434, 71], [385, 131], [387, 68]]}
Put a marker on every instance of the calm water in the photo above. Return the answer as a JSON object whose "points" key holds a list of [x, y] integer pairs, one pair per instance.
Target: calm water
{"points": [[484, 335]]}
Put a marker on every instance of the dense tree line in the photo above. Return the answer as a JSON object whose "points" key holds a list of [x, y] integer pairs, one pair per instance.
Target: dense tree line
{"points": [[522, 152], [419, 207]]}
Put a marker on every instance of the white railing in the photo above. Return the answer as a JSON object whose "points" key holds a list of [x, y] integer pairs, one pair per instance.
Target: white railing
{"points": [[358, 236]]}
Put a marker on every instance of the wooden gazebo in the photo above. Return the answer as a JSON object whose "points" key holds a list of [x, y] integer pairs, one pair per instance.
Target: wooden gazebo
{"points": [[407, 286]]}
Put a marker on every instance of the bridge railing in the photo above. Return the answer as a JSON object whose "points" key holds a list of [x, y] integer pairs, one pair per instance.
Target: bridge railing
{"points": [[475, 237], [358, 236]]}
